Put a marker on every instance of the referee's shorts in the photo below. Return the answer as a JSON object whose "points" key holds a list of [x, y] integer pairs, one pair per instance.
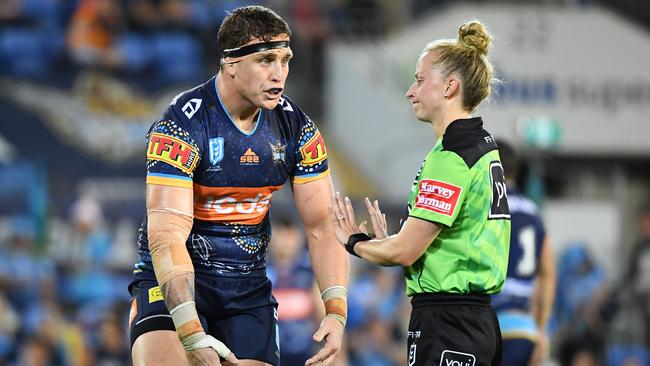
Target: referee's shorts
{"points": [[453, 330]]}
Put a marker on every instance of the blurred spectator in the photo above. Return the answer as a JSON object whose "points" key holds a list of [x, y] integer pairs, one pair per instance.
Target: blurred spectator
{"points": [[582, 299], [110, 348], [25, 275], [9, 325], [293, 287], [93, 32]]}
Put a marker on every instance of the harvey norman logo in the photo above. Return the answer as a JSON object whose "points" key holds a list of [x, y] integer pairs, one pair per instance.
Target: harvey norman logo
{"points": [[437, 196]]}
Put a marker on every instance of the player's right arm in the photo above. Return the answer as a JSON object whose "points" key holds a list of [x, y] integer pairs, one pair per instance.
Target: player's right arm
{"points": [[173, 152], [545, 288], [542, 300]]}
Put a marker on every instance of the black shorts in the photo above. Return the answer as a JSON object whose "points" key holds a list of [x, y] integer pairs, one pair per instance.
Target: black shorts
{"points": [[240, 312], [453, 330]]}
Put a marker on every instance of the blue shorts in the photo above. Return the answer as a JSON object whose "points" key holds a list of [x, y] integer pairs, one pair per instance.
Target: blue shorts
{"points": [[240, 312], [519, 332]]}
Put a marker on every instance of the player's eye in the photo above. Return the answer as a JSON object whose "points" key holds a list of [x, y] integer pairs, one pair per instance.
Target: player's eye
{"points": [[266, 60]]}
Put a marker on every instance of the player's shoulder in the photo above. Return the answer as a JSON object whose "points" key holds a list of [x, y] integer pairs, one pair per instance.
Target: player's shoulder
{"points": [[187, 105], [289, 111], [518, 203]]}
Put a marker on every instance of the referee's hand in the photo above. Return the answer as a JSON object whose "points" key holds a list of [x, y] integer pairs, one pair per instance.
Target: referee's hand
{"points": [[343, 219], [330, 331], [377, 219]]}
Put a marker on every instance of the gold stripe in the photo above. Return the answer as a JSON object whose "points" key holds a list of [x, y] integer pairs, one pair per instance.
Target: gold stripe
{"points": [[519, 335], [300, 180], [169, 182]]}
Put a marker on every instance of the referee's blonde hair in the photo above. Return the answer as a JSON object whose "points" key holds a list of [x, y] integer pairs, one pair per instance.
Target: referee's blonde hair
{"points": [[466, 57]]}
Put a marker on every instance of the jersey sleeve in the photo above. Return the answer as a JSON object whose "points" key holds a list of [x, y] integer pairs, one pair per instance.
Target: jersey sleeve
{"points": [[310, 153], [442, 188], [172, 152]]}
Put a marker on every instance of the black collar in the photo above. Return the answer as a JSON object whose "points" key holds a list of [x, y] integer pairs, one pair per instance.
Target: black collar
{"points": [[463, 125]]}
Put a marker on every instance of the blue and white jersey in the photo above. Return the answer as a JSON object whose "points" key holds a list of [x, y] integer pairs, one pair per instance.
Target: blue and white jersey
{"points": [[526, 241]]}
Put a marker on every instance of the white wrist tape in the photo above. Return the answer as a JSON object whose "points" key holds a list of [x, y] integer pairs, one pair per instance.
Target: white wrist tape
{"points": [[334, 292], [186, 320], [335, 299], [202, 340]]}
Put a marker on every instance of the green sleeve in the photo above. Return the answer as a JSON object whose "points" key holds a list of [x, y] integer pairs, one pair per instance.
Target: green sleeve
{"points": [[442, 188]]}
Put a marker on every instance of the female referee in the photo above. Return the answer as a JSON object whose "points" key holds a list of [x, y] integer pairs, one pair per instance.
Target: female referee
{"points": [[454, 244]]}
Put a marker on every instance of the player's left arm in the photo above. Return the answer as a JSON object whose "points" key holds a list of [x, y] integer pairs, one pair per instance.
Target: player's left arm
{"points": [[330, 263]]}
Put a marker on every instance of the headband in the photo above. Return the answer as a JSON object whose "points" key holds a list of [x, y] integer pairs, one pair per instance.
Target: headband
{"points": [[252, 48]]}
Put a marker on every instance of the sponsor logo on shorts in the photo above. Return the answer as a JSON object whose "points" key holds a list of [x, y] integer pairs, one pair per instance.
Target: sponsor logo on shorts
{"points": [[172, 151], [155, 294], [454, 358], [249, 158], [133, 312], [313, 151], [437, 196]]}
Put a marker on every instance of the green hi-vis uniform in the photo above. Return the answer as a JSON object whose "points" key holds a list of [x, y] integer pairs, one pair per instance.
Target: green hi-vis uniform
{"points": [[461, 186]]}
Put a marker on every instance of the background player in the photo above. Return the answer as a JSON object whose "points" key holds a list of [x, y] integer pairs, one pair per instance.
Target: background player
{"points": [[213, 163], [525, 303]]}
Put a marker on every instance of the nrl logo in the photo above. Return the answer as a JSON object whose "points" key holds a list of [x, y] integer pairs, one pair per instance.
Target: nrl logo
{"points": [[278, 152]]}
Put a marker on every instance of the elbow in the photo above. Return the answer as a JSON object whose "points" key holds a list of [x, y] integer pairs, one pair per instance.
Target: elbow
{"points": [[405, 259]]}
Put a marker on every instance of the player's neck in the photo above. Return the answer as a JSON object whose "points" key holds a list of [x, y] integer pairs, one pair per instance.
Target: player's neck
{"points": [[242, 112]]}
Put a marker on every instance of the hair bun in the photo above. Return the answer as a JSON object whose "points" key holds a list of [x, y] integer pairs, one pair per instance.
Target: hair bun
{"points": [[474, 35]]}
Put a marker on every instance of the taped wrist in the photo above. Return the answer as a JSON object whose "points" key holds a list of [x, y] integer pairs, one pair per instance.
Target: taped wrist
{"points": [[336, 303], [187, 324], [353, 240], [167, 232]]}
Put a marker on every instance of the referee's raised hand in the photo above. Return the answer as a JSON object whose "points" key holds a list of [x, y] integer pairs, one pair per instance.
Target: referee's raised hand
{"points": [[343, 218]]}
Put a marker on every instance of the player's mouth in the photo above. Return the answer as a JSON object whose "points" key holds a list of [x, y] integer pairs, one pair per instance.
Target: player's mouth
{"points": [[273, 93]]}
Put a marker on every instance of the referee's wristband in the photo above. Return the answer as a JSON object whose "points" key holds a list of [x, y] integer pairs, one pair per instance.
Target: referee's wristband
{"points": [[353, 240]]}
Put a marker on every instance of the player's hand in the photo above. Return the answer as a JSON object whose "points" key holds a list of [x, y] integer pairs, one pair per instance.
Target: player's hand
{"points": [[342, 215], [377, 219], [206, 350], [540, 352], [330, 331]]}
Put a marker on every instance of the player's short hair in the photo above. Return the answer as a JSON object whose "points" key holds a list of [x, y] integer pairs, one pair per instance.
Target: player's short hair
{"points": [[466, 57], [247, 23], [509, 160]]}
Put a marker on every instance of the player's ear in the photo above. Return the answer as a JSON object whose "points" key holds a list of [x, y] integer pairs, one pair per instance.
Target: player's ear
{"points": [[229, 68]]}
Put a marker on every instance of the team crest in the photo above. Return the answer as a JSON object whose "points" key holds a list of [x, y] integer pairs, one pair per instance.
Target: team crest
{"points": [[216, 150], [278, 151]]}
